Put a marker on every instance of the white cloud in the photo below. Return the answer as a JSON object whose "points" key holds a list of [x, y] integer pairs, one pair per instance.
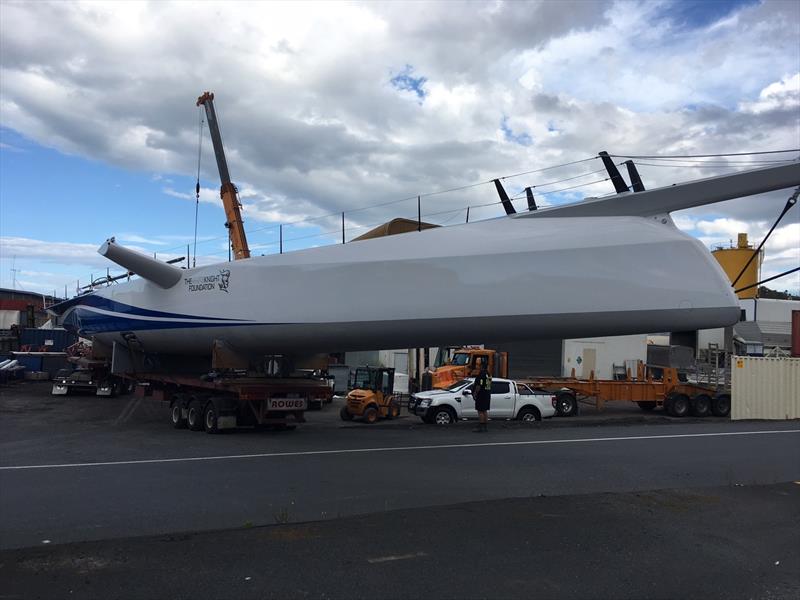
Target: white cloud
{"points": [[780, 95]]}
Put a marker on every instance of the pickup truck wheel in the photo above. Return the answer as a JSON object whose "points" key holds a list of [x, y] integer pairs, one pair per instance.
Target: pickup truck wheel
{"points": [[176, 416], [194, 416], [210, 418], [529, 415], [566, 404], [370, 415], [443, 416], [721, 405], [345, 415], [701, 405]]}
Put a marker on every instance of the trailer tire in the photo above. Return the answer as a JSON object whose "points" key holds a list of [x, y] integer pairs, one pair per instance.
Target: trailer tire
{"points": [[371, 415], [721, 405], [210, 423], [647, 405], [701, 405], [194, 416], [345, 414], [566, 404], [176, 415], [677, 405]]}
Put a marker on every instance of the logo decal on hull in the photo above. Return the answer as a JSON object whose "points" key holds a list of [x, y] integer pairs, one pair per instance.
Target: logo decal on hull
{"points": [[207, 283]]}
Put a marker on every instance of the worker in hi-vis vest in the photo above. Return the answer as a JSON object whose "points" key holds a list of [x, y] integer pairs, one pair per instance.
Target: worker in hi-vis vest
{"points": [[482, 392]]}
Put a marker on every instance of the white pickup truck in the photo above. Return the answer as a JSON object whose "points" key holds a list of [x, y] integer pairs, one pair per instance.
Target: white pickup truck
{"points": [[510, 400]]}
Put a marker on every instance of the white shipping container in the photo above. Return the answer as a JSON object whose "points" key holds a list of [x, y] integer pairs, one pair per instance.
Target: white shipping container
{"points": [[765, 388]]}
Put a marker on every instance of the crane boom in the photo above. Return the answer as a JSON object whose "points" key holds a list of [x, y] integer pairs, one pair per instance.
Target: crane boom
{"points": [[227, 190]]}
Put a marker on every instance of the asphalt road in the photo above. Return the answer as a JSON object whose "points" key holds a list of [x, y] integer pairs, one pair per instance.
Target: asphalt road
{"points": [[714, 543], [82, 479], [76, 481]]}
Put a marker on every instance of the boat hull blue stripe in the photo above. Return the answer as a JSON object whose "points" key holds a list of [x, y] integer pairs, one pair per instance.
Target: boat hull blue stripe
{"points": [[88, 322], [96, 301]]}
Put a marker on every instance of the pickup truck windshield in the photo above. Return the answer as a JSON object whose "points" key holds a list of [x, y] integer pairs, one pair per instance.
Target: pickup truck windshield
{"points": [[457, 385]]}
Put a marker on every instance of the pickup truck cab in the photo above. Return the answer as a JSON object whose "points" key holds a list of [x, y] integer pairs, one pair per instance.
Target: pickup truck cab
{"points": [[510, 400]]}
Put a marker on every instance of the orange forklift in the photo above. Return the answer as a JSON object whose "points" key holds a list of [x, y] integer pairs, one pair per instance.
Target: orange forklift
{"points": [[372, 396]]}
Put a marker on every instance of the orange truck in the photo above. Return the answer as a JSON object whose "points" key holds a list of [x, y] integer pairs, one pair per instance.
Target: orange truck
{"points": [[466, 362]]}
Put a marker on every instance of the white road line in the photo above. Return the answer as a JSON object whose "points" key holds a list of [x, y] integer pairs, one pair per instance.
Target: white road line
{"points": [[395, 449], [397, 557]]}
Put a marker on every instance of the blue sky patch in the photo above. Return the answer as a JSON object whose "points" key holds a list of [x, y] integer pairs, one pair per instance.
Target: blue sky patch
{"points": [[695, 14], [406, 82], [523, 139]]}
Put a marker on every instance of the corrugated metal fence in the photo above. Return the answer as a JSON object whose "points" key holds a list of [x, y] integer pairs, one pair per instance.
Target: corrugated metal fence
{"points": [[765, 388]]}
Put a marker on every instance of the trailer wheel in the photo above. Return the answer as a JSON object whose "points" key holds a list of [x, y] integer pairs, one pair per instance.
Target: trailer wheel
{"points": [[370, 415], [566, 404], [345, 414], [194, 416], [176, 415], [647, 405], [721, 405], [701, 405], [677, 405], [210, 418]]}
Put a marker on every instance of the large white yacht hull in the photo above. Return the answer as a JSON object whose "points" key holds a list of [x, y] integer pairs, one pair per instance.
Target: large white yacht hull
{"points": [[504, 279]]}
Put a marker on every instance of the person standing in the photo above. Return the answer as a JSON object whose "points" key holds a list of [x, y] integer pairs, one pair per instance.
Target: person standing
{"points": [[482, 393]]}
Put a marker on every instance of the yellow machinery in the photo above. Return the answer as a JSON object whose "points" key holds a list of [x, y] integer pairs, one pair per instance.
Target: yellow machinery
{"points": [[372, 397], [733, 259], [466, 362], [227, 190]]}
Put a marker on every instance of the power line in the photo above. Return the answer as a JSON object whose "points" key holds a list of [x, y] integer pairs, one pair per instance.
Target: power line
{"points": [[646, 156]]}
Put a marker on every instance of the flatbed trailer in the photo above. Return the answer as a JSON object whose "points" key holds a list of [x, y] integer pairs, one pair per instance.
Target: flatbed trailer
{"points": [[670, 391], [227, 402]]}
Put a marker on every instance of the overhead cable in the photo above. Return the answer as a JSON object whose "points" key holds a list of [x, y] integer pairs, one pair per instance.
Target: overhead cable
{"points": [[789, 204], [705, 155]]}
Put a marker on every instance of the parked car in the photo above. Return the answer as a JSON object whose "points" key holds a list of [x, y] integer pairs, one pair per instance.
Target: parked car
{"points": [[510, 400]]}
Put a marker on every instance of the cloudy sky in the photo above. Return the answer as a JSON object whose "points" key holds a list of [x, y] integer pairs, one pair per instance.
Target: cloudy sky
{"points": [[335, 107]]}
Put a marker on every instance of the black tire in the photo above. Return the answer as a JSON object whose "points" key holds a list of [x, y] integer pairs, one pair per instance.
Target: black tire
{"points": [[371, 415], [210, 415], [566, 404], [529, 414], [194, 416], [678, 405], [443, 416], [721, 405], [392, 411], [647, 406], [176, 415], [701, 405], [345, 414]]}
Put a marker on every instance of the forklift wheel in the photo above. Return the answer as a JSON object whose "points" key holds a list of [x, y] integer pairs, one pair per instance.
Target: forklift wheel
{"points": [[370, 415], [345, 414], [392, 411]]}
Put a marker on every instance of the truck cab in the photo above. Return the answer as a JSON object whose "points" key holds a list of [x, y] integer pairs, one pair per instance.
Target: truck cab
{"points": [[466, 362]]}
